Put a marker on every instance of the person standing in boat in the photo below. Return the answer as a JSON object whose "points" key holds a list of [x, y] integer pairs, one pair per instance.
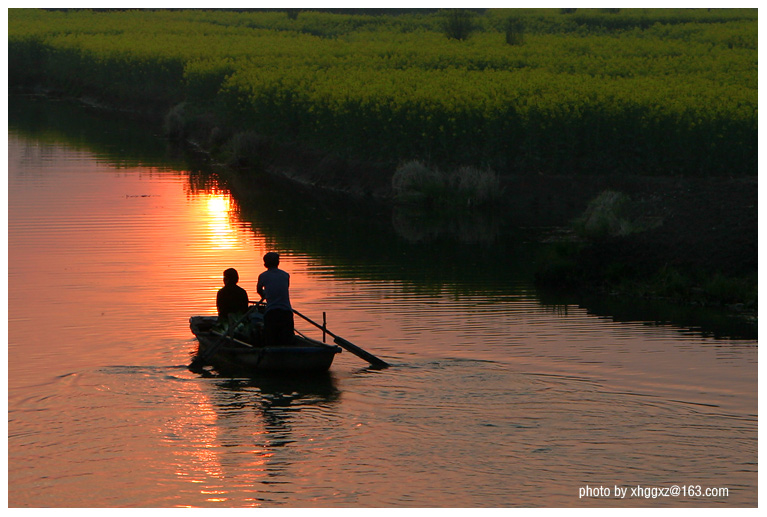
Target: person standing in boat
{"points": [[231, 299], [274, 286]]}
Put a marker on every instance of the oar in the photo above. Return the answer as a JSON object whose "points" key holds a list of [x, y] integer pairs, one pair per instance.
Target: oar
{"points": [[199, 360], [351, 347], [232, 339]]}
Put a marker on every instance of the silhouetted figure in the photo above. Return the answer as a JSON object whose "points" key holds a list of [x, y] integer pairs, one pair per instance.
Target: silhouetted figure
{"points": [[274, 286], [231, 299]]}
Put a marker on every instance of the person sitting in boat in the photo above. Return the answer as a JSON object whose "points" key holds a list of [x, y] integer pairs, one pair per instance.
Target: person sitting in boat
{"points": [[274, 286], [231, 299]]}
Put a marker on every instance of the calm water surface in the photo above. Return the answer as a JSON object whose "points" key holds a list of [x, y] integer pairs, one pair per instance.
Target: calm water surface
{"points": [[494, 398]]}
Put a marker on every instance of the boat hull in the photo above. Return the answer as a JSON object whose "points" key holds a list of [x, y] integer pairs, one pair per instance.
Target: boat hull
{"points": [[306, 354]]}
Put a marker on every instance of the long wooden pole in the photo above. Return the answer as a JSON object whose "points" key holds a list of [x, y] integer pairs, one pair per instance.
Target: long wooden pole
{"points": [[324, 325], [351, 347]]}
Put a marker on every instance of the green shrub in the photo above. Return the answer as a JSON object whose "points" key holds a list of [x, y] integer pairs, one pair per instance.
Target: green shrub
{"points": [[473, 186], [732, 290], [415, 182], [174, 124], [669, 282], [605, 216], [464, 187], [459, 24], [515, 31]]}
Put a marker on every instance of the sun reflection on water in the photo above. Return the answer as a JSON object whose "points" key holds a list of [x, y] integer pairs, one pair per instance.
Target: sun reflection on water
{"points": [[228, 450], [223, 235]]}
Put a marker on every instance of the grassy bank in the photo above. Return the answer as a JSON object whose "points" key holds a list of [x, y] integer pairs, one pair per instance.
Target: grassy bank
{"points": [[690, 241], [640, 91]]}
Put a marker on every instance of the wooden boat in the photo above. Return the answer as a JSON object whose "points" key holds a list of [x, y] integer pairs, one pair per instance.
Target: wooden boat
{"points": [[232, 353]]}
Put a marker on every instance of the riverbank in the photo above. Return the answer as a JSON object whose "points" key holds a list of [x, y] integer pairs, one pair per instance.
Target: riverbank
{"points": [[699, 245], [693, 241], [619, 132]]}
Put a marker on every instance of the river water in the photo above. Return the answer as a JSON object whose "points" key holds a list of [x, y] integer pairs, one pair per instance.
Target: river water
{"points": [[498, 395]]}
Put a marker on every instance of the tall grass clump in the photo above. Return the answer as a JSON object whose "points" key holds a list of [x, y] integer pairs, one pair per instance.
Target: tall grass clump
{"points": [[174, 124], [463, 187], [414, 182], [472, 186], [606, 216]]}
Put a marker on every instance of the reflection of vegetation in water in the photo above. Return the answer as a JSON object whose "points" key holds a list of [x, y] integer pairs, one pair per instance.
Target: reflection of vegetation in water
{"points": [[416, 224], [360, 238], [463, 253], [703, 320], [114, 138]]}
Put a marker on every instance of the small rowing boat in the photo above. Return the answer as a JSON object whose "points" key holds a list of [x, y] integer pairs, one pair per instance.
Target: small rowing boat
{"points": [[225, 352]]}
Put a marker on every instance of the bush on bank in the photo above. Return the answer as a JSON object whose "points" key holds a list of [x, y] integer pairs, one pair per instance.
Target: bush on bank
{"points": [[615, 250], [459, 188]]}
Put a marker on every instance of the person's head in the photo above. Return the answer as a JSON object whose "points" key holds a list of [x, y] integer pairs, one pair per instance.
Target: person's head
{"points": [[271, 259], [231, 276]]}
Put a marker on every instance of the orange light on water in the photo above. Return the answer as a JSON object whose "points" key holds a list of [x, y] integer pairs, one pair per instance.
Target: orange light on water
{"points": [[223, 235], [219, 203], [221, 441]]}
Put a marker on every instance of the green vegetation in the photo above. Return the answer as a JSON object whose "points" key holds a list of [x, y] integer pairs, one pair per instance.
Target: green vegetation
{"points": [[610, 214], [614, 247], [459, 24], [464, 187], [605, 216], [515, 31], [647, 91], [569, 266]]}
